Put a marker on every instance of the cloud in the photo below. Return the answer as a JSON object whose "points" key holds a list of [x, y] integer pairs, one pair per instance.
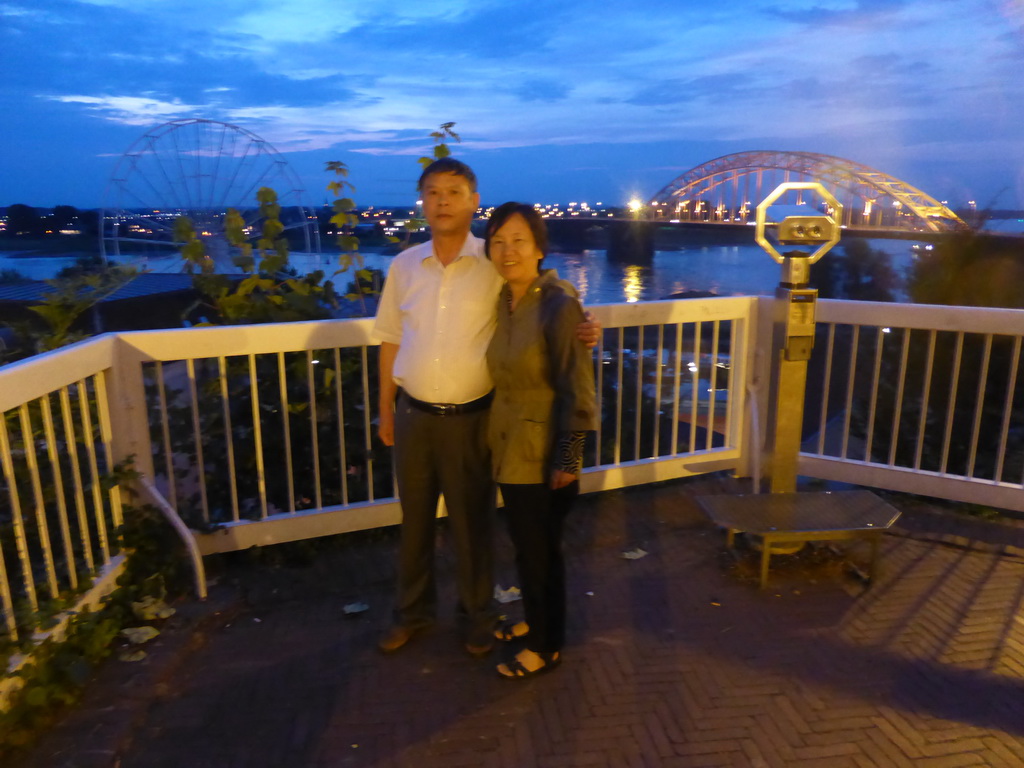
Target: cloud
{"points": [[268, 24], [133, 110], [687, 90], [374, 79], [28, 15], [542, 90], [158, 59]]}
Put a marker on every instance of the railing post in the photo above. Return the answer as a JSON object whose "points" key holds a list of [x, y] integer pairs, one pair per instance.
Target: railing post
{"points": [[755, 390], [126, 399]]}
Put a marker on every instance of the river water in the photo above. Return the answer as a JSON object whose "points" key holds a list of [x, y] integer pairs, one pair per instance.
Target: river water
{"points": [[724, 269]]}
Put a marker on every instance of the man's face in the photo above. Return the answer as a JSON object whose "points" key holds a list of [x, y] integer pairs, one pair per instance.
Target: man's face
{"points": [[448, 203]]}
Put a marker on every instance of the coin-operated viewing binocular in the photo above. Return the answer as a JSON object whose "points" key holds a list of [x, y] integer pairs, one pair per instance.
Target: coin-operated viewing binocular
{"points": [[819, 232], [793, 324], [797, 230]]}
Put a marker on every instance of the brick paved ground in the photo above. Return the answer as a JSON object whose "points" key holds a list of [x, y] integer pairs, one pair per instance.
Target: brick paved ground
{"points": [[674, 659]]}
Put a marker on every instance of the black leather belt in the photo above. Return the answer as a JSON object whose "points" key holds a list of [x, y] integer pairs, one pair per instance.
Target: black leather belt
{"points": [[450, 409]]}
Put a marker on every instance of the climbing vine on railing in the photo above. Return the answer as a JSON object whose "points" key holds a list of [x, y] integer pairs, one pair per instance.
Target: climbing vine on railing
{"points": [[56, 672]]}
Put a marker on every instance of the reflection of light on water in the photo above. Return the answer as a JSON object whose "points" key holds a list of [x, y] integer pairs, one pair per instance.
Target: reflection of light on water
{"points": [[580, 279], [632, 286]]}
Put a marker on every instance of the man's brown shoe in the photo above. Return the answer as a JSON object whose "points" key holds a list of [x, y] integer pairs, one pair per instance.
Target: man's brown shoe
{"points": [[480, 642], [396, 637]]}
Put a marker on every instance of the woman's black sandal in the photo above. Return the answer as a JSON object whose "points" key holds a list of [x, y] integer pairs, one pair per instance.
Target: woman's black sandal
{"points": [[507, 632], [520, 672]]}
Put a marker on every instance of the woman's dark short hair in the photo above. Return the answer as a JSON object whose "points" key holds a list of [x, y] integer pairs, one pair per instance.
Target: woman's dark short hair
{"points": [[533, 219], [448, 165]]}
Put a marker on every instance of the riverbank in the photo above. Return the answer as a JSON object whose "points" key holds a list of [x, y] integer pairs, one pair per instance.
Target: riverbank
{"points": [[55, 245]]}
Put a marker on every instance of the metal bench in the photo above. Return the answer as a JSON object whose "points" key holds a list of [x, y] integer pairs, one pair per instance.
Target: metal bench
{"points": [[803, 517]]}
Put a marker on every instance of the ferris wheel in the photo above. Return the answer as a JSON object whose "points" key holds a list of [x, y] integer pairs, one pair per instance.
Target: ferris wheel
{"points": [[199, 169]]}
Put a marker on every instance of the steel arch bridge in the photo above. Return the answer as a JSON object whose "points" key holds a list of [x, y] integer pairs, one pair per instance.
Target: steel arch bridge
{"points": [[727, 190]]}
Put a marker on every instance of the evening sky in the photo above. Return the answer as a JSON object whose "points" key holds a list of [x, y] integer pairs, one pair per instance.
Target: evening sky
{"points": [[555, 101]]}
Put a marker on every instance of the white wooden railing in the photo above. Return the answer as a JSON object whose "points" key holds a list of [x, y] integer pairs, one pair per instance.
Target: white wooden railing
{"points": [[919, 398], [252, 435]]}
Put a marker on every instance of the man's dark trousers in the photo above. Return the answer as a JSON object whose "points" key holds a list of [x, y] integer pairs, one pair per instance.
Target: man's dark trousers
{"points": [[446, 455]]}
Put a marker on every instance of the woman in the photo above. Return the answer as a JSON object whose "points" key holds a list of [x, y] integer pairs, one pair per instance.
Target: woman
{"points": [[543, 406]]}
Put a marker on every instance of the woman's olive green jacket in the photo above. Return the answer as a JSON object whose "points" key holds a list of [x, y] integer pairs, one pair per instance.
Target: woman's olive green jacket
{"points": [[543, 380]]}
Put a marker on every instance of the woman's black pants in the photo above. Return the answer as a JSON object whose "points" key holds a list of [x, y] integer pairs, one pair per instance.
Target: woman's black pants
{"points": [[536, 515]]}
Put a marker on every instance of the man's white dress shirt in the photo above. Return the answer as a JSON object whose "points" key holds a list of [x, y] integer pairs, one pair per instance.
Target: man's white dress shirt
{"points": [[442, 318]]}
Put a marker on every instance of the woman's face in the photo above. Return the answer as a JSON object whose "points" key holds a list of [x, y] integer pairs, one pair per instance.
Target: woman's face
{"points": [[514, 252]]}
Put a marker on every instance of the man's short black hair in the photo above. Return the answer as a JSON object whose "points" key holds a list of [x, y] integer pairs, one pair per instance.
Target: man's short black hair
{"points": [[448, 165], [533, 219]]}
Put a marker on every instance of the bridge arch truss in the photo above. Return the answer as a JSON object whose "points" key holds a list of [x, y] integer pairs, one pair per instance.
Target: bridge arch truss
{"points": [[728, 189]]}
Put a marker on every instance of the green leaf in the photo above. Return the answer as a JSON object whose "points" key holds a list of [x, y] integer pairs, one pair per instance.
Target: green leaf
{"points": [[37, 697], [441, 150], [140, 635], [272, 228], [234, 228], [183, 229], [272, 264], [247, 286], [150, 608]]}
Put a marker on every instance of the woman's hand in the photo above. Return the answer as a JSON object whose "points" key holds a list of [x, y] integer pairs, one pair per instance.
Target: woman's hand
{"points": [[589, 331], [560, 479]]}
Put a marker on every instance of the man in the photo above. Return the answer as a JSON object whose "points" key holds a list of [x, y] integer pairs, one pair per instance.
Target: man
{"points": [[436, 317]]}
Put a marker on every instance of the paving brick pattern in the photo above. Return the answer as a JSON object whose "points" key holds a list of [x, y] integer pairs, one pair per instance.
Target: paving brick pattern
{"points": [[674, 659]]}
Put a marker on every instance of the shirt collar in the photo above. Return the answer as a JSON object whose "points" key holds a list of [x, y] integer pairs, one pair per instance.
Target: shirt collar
{"points": [[468, 249]]}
